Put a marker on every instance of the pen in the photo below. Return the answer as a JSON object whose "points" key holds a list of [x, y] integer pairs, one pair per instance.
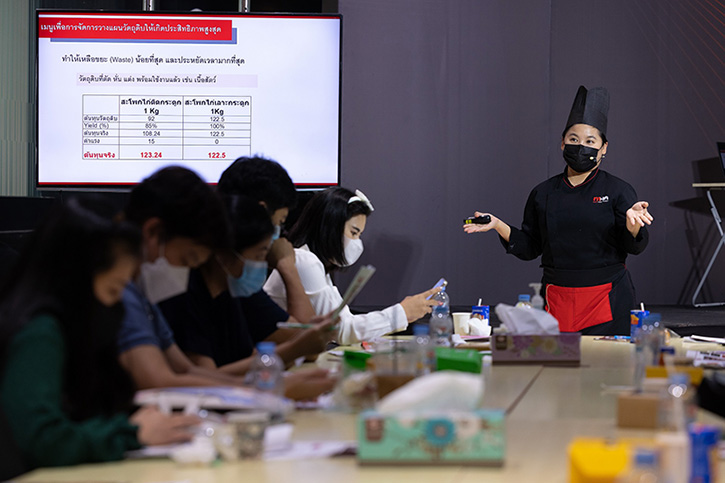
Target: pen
{"points": [[293, 325], [297, 325]]}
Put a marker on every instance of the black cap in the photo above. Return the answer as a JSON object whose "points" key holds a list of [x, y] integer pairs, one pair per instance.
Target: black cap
{"points": [[590, 107]]}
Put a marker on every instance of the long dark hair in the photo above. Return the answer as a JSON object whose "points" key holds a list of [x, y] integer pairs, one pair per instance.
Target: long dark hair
{"points": [[54, 275], [322, 223]]}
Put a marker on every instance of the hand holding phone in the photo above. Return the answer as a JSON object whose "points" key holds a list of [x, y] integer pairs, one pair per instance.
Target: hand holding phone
{"points": [[441, 283]]}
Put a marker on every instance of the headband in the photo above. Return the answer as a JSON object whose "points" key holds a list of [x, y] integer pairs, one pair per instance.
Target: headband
{"points": [[359, 196]]}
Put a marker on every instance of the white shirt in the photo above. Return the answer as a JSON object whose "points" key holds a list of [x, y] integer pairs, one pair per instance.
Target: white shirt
{"points": [[325, 298]]}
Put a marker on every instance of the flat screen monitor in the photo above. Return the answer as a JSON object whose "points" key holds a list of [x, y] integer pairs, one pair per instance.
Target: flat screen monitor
{"points": [[120, 95], [721, 151]]}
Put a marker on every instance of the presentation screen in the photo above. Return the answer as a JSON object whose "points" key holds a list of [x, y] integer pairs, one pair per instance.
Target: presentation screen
{"points": [[121, 95]]}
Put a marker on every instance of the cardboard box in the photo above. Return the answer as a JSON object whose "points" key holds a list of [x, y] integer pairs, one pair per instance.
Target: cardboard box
{"points": [[638, 410], [444, 438], [559, 349]]}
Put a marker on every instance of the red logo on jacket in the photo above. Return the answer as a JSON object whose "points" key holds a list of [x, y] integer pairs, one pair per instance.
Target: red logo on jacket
{"points": [[601, 199]]}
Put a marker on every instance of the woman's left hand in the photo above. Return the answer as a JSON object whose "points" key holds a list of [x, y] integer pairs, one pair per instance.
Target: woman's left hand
{"points": [[638, 216], [416, 306]]}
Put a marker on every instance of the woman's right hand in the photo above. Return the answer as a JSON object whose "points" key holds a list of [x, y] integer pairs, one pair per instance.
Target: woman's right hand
{"points": [[475, 228], [281, 249], [416, 306], [155, 427]]}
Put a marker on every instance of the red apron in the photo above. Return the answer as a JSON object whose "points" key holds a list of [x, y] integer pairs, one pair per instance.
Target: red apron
{"points": [[577, 308]]}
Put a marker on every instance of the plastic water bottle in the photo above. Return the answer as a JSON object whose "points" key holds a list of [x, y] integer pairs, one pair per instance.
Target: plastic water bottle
{"points": [[677, 404], [524, 301], [441, 326], [266, 371], [645, 467], [443, 299], [537, 301], [424, 349]]}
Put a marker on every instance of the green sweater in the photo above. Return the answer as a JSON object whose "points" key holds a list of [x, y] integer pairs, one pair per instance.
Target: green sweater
{"points": [[31, 391]]}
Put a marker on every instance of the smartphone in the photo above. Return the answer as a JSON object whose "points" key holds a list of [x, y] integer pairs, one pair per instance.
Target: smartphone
{"points": [[479, 220], [438, 284]]}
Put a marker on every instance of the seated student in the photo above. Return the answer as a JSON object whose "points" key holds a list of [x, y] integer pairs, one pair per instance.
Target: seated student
{"points": [[225, 313], [266, 182], [182, 222], [327, 237], [64, 398]]}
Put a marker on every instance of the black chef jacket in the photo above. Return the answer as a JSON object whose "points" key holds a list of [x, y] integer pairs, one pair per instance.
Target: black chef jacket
{"points": [[581, 235]]}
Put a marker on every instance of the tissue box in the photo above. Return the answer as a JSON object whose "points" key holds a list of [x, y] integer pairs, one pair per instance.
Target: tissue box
{"points": [[558, 349], [444, 438]]}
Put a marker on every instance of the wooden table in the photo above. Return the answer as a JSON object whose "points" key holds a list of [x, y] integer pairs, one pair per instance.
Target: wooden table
{"points": [[546, 408]]}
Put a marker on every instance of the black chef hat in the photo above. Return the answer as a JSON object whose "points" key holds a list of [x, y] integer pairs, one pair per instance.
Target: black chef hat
{"points": [[590, 107]]}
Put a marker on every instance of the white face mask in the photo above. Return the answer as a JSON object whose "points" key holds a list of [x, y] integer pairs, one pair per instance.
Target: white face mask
{"points": [[159, 280], [353, 249]]}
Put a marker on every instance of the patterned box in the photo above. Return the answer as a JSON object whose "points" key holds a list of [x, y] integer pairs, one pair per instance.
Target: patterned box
{"points": [[444, 438], [559, 349]]}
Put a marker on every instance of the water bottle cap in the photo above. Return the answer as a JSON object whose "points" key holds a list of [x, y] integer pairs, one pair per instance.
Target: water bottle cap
{"points": [[266, 347], [645, 457], [680, 378], [420, 329], [524, 297]]}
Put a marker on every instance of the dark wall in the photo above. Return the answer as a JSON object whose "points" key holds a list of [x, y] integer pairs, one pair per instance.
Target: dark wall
{"points": [[455, 106], [663, 63], [451, 106]]}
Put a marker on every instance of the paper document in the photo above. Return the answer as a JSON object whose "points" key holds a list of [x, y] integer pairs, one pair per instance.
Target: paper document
{"points": [[357, 284], [702, 338]]}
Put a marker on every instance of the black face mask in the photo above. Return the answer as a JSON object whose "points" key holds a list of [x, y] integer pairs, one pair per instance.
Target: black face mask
{"points": [[580, 158]]}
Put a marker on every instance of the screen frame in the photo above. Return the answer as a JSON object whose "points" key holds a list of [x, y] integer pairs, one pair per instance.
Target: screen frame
{"points": [[124, 187]]}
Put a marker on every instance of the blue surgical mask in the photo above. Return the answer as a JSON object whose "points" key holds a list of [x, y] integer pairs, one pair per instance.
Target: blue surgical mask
{"points": [[251, 281], [277, 232]]}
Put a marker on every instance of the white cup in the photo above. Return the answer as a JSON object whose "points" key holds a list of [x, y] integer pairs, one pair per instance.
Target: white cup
{"points": [[460, 323], [242, 436]]}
